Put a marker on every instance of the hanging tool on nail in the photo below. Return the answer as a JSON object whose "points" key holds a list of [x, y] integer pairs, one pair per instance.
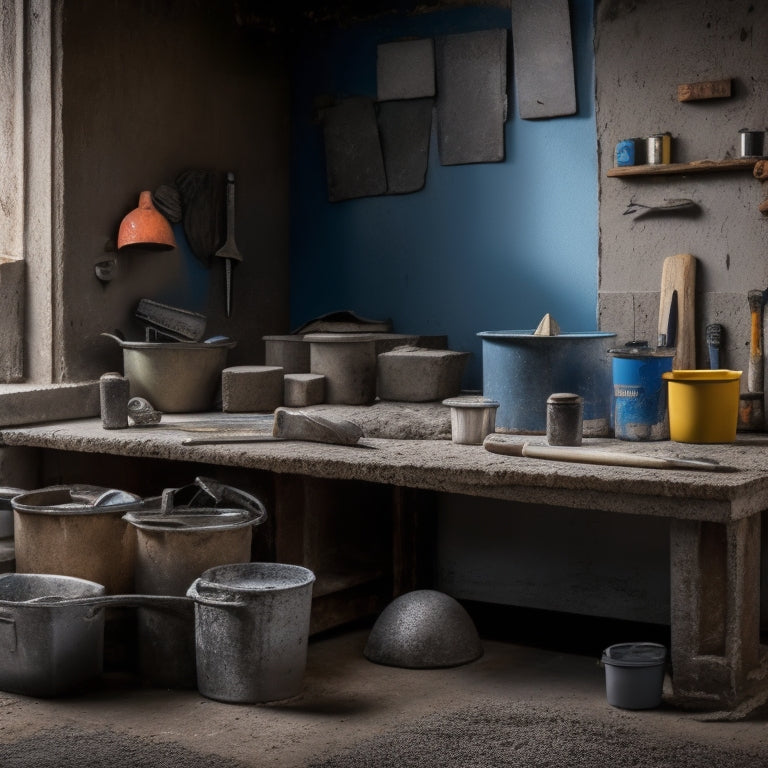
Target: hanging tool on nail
{"points": [[676, 309], [229, 251], [751, 405], [714, 343]]}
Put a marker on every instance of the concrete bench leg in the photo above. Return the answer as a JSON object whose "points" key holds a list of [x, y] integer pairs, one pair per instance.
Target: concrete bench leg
{"points": [[715, 602]]}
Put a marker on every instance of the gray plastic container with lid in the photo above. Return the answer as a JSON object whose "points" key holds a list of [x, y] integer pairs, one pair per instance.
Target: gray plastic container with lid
{"points": [[634, 674]]}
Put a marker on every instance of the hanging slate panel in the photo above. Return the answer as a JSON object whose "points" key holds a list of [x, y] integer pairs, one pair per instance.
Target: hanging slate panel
{"points": [[543, 54], [471, 96], [405, 127], [405, 69], [353, 158]]}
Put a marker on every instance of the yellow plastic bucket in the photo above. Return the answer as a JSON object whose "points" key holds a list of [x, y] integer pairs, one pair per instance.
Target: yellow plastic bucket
{"points": [[703, 405]]}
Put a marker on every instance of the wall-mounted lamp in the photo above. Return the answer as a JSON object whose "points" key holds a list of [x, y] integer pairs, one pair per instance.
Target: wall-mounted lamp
{"points": [[143, 229]]}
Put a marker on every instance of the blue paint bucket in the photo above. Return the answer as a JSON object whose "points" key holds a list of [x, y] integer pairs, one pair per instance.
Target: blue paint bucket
{"points": [[640, 393], [521, 370]]}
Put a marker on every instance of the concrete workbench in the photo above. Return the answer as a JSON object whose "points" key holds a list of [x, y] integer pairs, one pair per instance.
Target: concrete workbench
{"points": [[717, 658]]}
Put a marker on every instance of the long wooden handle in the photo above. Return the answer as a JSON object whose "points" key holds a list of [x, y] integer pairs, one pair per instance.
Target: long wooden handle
{"points": [[755, 370], [496, 444]]}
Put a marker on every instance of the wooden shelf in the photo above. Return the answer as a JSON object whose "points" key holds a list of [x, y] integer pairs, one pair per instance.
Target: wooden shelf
{"points": [[697, 166]]}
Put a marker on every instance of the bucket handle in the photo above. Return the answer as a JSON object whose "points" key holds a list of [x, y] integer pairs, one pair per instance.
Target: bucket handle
{"points": [[164, 602], [229, 600]]}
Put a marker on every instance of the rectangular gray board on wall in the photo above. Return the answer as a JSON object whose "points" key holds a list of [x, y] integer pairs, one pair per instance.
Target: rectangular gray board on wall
{"points": [[471, 96], [404, 128], [543, 58], [354, 163]]}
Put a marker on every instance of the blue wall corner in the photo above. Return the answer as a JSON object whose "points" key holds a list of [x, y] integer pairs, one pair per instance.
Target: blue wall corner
{"points": [[482, 247]]}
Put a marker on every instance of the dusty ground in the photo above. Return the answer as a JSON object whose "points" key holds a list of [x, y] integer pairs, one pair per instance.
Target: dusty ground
{"points": [[348, 699]]}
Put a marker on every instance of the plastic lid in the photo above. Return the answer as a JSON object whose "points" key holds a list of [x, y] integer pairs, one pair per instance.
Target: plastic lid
{"points": [[635, 654]]}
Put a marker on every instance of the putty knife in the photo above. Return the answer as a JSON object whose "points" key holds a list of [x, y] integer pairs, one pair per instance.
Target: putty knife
{"points": [[497, 444]]}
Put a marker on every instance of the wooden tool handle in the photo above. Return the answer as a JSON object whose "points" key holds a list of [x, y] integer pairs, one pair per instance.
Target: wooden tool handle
{"points": [[497, 444], [679, 274], [755, 371]]}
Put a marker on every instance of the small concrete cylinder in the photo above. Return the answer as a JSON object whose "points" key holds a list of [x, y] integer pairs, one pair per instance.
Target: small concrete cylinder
{"points": [[348, 362], [114, 395], [564, 418]]}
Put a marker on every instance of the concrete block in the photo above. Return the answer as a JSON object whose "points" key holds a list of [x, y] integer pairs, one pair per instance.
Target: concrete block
{"points": [[405, 70], [411, 374], [251, 388], [302, 389]]}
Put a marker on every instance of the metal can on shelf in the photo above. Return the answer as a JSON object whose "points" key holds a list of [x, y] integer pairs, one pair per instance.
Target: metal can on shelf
{"points": [[659, 149]]}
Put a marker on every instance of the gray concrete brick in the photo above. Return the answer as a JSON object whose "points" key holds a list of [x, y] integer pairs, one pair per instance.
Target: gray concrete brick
{"points": [[302, 389], [251, 388]]}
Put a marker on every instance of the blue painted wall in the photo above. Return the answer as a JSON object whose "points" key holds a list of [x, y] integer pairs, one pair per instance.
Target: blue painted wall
{"points": [[482, 247]]}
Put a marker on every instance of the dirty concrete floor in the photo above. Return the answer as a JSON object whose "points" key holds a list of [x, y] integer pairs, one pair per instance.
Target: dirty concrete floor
{"points": [[347, 699]]}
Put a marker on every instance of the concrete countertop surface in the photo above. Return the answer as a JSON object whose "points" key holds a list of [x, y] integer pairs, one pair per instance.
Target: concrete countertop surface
{"points": [[409, 445]]}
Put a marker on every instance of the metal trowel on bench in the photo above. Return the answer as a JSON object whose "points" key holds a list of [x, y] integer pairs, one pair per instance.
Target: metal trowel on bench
{"points": [[291, 425]]}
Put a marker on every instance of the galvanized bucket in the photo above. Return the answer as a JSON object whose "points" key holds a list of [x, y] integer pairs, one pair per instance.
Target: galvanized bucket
{"points": [[252, 629], [48, 648], [176, 541], [76, 530], [52, 630]]}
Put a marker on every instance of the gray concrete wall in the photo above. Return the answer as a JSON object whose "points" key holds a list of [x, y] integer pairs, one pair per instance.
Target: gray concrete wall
{"points": [[643, 51], [152, 88]]}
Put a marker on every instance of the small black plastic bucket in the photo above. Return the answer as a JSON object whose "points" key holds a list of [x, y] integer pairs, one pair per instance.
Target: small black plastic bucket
{"points": [[634, 674]]}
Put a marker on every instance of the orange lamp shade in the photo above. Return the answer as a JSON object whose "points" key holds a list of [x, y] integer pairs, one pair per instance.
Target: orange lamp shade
{"points": [[145, 228]]}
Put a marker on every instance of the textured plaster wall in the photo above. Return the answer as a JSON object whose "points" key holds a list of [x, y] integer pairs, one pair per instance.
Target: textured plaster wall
{"points": [[152, 88], [643, 50], [489, 246]]}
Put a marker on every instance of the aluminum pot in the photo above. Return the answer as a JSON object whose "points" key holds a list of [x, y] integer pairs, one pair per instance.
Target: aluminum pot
{"points": [[175, 376], [178, 539], [252, 630], [48, 648], [521, 370], [76, 530], [52, 630]]}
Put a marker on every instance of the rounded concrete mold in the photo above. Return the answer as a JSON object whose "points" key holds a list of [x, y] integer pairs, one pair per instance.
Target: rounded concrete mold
{"points": [[423, 629]]}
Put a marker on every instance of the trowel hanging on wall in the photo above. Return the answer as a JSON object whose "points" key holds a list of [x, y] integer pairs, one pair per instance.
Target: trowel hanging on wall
{"points": [[229, 251], [677, 308]]}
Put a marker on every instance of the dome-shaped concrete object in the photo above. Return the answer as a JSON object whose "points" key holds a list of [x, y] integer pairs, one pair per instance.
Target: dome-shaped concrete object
{"points": [[423, 629]]}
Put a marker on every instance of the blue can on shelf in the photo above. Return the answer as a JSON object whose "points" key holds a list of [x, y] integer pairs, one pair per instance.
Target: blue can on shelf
{"points": [[639, 391], [625, 152]]}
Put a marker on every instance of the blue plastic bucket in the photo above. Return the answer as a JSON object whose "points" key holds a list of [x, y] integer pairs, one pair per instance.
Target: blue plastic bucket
{"points": [[521, 371], [640, 393]]}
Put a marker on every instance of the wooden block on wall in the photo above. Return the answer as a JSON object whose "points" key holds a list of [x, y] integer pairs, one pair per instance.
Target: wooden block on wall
{"points": [[709, 89]]}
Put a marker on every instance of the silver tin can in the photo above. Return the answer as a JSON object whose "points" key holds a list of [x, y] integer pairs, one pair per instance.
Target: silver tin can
{"points": [[658, 149], [751, 143]]}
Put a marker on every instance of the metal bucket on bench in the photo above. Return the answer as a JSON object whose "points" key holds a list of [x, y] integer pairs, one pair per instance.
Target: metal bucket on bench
{"points": [[251, 630], [179, 535]]}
